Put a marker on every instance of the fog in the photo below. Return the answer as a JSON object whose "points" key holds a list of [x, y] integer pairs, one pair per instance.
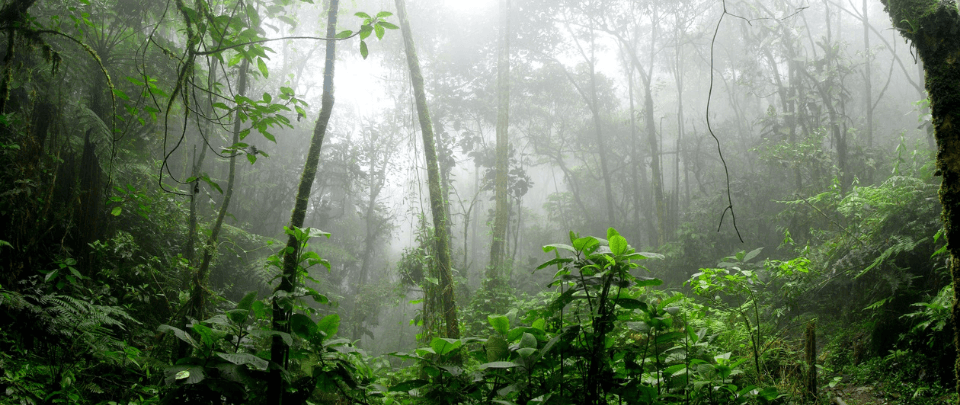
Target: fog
{"points": [[160, 152]]}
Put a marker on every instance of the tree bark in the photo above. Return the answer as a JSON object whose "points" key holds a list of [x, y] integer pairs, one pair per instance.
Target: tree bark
{"points": [[281, 315], [437, 202], [932, 27], [497, 249]]}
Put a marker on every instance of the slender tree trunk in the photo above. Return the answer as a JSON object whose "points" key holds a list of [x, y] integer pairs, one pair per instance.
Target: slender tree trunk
{"points": [[198, 164], [199, 282], [932, 27], [437, 202], [867, 77], [635, 158], [497, 249], [281, 313]]}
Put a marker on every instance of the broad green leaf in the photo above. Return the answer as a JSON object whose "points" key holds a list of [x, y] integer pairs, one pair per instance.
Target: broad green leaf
{"points": [[528, 340], [344, 34], [497, 348], [384, 14], [497, 364], [442, 346], [408, 385], [753, 253], [247, 301], [116, 211], [555, 246], [612, 232], [238, 316], [180, 334], [648, 282], [329, 325], [379, 31], [631, 303], [247, 359], [363, 48], [361, 14], [302, 325], [500, 323], [618, 244]]}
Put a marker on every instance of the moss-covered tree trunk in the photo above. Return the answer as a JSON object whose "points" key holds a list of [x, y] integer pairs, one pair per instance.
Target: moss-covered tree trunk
{"points": [[501, 216], [437, 202], [281, 314], [934, 28]]}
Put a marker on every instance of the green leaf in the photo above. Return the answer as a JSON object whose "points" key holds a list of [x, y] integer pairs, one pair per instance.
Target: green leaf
{"points": [[180, 334], [344, 34], [555, 246], [379, 31], [443, 346], [528, 340], [246, 359], [365, 31], [618, 244], [387, 25], [497, 348], [301, 325], [558, 261], [121, 94], [612, 232], [116, 211], [408, 385], [329, 325], [631, 303], [384, 14], [247, 301], [363, 48], [211, 183], [263, 67], [361, 14], [500, 323], [252, 158], [753, 253], [497, 364], [238, 316]]}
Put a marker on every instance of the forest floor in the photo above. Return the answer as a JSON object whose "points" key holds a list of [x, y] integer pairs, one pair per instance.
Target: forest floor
{"points": [[852, 395]]}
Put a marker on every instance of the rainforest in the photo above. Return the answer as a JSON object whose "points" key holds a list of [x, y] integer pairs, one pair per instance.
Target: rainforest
{"points": [[511, 202]]}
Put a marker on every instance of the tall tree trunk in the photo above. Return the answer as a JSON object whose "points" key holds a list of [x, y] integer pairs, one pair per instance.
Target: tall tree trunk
{"points": [[635, 159], [281, 314], [196, 305], [198, 164], [932, 27], [867, 77], [437, 202], [497, 250]]}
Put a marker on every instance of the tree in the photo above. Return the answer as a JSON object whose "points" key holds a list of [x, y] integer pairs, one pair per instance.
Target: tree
{"points": [[498, 247], [281, 314], [931, 25], [437, 200]]}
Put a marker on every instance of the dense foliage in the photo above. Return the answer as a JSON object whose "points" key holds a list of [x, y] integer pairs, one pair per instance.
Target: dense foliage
{"points": [[151, 154]]}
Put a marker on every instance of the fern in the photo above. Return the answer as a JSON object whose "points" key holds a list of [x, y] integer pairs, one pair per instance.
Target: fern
{"points": [[81, 321]]}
